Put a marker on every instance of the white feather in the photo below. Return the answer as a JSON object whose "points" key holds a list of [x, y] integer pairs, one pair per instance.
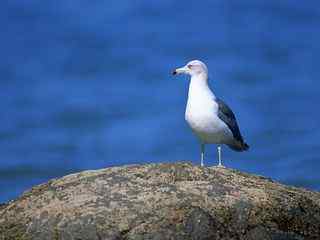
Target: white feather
{"points": [[202, 113]]}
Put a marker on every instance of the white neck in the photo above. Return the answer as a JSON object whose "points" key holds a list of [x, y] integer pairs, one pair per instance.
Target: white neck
{"points": [[199, 88]]}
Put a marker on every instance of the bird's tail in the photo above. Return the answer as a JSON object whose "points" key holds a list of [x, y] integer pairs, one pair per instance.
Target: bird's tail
{"points": [[239, 146]]}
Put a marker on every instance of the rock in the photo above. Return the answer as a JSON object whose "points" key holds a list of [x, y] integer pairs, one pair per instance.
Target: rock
{"points": [[162, 201], [201, 225]]}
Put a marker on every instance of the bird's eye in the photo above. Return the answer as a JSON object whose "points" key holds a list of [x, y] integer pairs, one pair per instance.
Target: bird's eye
{"points": [[189, 66]]}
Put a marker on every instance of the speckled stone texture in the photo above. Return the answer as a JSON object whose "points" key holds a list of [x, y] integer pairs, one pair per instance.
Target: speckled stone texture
{"points": [[159, 202]]}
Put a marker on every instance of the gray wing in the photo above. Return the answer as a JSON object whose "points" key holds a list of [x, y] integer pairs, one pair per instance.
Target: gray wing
{"points": [[227, 116]]}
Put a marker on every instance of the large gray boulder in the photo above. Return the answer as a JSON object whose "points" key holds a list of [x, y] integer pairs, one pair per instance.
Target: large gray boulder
{"points": [[162, 201]]}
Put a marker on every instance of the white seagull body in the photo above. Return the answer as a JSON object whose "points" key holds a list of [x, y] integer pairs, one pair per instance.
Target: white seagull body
{"points": [[211, 120], [202, 114]]}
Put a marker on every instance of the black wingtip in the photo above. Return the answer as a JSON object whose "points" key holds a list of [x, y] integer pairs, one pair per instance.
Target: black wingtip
{"points": [[245, 146], [240, 147]]}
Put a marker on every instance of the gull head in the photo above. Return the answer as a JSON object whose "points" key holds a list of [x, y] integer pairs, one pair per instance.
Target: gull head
{"points": [[192, 68]]}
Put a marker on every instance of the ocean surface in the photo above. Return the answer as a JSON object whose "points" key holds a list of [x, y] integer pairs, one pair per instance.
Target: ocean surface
{"points": [[87, 85]]}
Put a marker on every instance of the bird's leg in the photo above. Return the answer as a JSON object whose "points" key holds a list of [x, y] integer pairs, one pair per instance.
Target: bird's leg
{"points": [[219, 156], [202, 154]]}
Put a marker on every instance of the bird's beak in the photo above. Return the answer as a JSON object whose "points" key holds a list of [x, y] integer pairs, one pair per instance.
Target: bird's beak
{"points": [[180, 70]]}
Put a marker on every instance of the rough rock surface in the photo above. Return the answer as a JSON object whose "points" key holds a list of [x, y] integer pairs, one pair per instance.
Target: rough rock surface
{"points": [[162, 201]]}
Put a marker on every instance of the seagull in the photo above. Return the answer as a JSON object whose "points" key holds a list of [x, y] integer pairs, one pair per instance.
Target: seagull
{"points": [[210, 119]]}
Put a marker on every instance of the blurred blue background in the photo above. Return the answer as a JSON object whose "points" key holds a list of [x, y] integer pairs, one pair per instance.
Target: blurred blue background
{"points": [[87, 85]]}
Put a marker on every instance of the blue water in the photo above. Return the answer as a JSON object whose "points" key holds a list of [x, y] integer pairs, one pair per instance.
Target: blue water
{"points": [[87, 85]]}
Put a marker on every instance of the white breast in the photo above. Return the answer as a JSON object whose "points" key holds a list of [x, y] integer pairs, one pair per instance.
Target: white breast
{"points": [[202, 114]]}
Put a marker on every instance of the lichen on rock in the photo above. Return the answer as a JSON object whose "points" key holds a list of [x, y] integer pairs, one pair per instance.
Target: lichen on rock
{"points": [[162, 201]]}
